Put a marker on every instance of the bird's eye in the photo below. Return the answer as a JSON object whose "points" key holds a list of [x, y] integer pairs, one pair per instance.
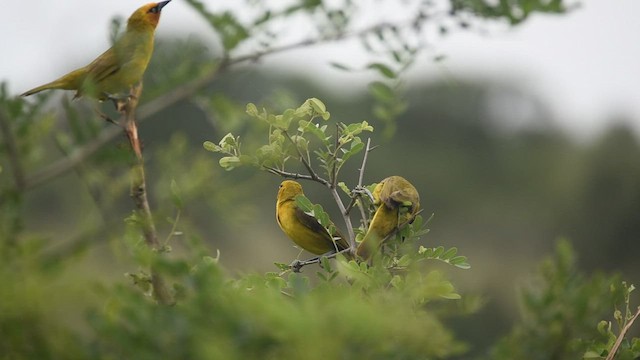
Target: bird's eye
{"points": [[154, 10]]}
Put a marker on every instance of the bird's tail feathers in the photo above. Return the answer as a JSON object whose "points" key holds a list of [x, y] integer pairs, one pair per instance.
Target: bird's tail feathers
{"points": [[70, 81]]}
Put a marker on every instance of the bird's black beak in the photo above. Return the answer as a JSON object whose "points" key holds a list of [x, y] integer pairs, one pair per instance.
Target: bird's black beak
{"points": [[162, 4]]}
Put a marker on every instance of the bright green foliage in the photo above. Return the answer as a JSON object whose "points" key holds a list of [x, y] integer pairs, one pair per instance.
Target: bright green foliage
{"points": [[28, 327], [297, 133], [559, 311], [398, 280], [515, 11], [448, 256], [293, 135], [271, 317]]}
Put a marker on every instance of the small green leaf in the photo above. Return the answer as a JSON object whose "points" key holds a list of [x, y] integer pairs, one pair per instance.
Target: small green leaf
{"points": [[382, 92], [340, 66], [449, 254], [304, 204], [438, 251], [319, 108], [230, 162], [383, 69], [252, 110], [209, 146]]}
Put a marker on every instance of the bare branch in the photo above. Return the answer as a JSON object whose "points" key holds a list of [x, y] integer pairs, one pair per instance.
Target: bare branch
{"points": [[361, 179], [297, 265], [291, 175]]}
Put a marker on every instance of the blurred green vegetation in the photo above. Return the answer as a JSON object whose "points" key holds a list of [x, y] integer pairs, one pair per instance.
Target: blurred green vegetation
{"points": [[502, 186]]}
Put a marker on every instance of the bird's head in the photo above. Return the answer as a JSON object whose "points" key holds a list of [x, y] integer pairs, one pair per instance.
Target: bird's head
{"points": [[289, 189], [146, 16]]}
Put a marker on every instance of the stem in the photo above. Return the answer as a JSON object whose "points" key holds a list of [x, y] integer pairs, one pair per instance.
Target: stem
{"points": [[345, 216], [304, 161], [139, 194], [624, 331], [359, 187], [297, 265]]}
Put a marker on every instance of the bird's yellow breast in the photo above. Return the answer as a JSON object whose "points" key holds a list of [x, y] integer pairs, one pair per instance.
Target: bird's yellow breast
{"points": [[312, 241]]}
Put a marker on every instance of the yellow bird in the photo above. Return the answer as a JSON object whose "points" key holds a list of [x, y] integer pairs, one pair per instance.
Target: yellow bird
{"points": [[302, 228], [120, 67], [398, 202]]}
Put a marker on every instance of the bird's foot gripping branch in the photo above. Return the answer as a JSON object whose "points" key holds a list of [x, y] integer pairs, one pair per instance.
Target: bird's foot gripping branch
{"points": [[303, 146]]}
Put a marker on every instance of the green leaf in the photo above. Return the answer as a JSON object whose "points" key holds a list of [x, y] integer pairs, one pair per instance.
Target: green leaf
{"points": [[340, 66], [319, 108], [438, 251], [252, 110], [230, 162], [342, 186], [318, 131], [382, 92], [383, 69], [449, 254], [209, 146], [304, 204]]}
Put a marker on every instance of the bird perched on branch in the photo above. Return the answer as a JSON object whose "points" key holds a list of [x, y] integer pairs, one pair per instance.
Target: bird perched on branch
{"points": [[121, 67], [302, 228], [397, 202]]}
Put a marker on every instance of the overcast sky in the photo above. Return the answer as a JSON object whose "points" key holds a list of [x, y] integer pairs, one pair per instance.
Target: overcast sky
{"points": [[585, 65]]}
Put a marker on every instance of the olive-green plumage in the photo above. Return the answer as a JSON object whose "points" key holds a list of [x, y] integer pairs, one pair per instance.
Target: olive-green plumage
{"points": [[302, 228], [397, 202], [120, 67]]}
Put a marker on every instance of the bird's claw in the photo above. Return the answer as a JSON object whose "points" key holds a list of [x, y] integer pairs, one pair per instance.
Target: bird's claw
{"points": [[296, 266]]}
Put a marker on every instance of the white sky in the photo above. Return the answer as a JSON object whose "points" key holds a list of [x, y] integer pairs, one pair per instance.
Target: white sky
{"points": [[585, 65]]}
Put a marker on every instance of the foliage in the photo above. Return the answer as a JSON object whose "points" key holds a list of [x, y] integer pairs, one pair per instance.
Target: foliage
{"points": [[558, 311], [268, 316], [392, 308], [609, 342]]}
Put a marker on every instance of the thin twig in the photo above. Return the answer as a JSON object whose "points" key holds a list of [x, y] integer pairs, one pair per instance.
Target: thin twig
{"points": [[345, 216], [174, 96], [624, 331], [173, 228], [297, 265], [303, 160], [290, 175], [334, 170], [361, 178]]}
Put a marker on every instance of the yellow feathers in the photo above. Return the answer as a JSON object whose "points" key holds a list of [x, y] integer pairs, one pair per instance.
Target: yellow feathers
{"points": [[302, 228], [398, 202], [120, 67]]}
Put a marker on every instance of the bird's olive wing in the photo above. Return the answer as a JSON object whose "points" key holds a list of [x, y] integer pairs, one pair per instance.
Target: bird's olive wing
{"points": [[104, 66]]}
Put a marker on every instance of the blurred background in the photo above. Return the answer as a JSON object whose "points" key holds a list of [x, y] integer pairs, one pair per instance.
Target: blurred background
{"points": [[515, 136]]}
